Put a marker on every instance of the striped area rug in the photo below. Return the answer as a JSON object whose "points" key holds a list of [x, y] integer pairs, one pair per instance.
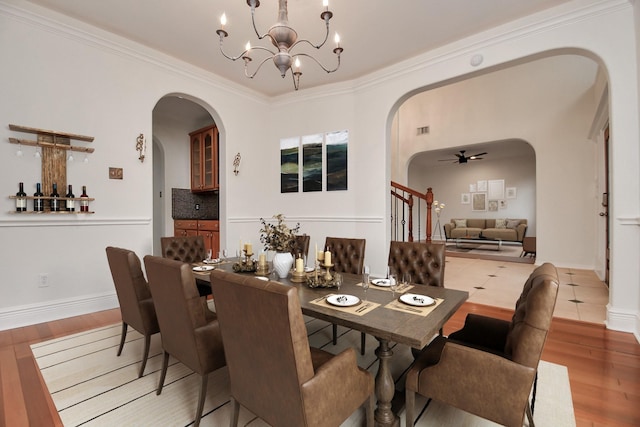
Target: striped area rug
{"points": [[90, 386]]}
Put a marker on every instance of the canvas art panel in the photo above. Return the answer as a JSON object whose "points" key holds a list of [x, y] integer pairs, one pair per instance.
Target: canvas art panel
{"points": [[337, 147], [289, 175], [312, 162]]}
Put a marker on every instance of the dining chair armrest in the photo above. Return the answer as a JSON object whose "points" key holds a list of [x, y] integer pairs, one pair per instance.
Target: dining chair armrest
{"points": [[485, 383], [324, 395]]}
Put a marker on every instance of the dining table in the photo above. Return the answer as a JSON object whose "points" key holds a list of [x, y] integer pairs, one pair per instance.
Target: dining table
{"points": [[379, 312]]}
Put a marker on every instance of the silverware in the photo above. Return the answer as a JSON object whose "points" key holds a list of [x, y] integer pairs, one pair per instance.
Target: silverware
{"points": [[363, 308], [415, 310]]}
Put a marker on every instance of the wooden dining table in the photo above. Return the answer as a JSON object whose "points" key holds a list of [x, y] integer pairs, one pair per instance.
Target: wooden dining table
{"points": [[379, 314]]}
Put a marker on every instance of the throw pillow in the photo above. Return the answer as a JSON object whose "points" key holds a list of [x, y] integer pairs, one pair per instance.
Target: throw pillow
{"points": [[461, 223], [501, 223], [513, 223]]}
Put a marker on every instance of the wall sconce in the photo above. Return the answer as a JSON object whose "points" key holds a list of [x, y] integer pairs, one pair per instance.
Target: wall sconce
{"points": [[141, 147], [236, 164]]}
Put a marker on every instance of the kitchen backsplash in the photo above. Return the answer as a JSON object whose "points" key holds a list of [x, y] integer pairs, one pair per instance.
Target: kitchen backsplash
{"points": [[188, 205]]}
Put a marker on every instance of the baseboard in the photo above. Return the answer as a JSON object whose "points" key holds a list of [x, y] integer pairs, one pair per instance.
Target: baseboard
{"points": [[31, 314], [623, 321]]}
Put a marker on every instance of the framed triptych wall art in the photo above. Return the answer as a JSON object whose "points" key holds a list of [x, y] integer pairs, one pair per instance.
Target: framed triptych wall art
{"points": [[314, 162]]}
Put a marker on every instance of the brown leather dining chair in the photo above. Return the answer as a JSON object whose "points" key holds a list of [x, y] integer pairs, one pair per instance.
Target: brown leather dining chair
{"points": [[489, 366], [189, 249], [423, 261], [301, 245], [136, 306], [347, 256], [273, 371], [190, 333]]}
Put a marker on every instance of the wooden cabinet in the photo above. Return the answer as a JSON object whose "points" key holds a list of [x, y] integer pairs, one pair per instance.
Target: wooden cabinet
{"points": [[204, 159], [208, 229]]}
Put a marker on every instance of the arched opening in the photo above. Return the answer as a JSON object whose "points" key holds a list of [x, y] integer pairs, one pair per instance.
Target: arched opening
{"points": [[174, 117], [555, 102]]}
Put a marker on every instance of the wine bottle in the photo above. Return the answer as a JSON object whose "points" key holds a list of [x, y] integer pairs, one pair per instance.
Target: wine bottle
{"points": [[71, 204], [38, 204], [84, 203], [21, 199], [54, 203]]}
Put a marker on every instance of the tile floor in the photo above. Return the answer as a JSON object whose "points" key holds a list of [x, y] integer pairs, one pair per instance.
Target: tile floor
{"points": [[582, 296]]}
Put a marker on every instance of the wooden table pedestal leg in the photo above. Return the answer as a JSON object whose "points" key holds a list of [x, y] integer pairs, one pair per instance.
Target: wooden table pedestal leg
{"points": [[385, 387]]}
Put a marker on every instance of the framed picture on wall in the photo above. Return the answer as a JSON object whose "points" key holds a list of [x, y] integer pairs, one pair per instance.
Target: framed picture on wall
{"points": [[472, 188], [479, 202], [495, 189], [465, 198], [511, 192], [493, 205], [482, 185], [503, 204]]}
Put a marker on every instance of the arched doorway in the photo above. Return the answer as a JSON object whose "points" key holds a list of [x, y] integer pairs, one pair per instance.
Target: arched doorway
{"points": [[174, 117]]}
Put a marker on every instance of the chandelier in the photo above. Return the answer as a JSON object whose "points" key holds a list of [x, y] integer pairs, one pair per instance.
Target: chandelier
{"points": [[284, 39]]}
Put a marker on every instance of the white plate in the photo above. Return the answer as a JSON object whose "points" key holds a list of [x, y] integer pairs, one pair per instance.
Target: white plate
{"points": [[381, 282], [202, 268], [309, 269], [266, 279], [417, 300], [342, 300], [211, 261]]}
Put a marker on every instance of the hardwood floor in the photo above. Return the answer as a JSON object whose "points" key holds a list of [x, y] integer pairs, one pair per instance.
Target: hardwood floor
{"points": [[604, 367]]}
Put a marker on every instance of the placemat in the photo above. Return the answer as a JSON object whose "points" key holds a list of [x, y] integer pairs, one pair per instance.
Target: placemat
{"points": [[402, 288], [405, 308], [363, 308]]}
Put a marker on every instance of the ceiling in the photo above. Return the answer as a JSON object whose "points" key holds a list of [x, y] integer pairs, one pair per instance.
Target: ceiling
{"points": [[186, 30], [495, 150]]}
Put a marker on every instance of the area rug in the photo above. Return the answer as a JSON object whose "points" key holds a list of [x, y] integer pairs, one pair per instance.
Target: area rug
{"points": [[91, 386]]}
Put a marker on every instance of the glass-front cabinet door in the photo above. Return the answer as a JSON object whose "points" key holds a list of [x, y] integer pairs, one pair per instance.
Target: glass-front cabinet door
{"points": [[196, 162], [204, 159]]}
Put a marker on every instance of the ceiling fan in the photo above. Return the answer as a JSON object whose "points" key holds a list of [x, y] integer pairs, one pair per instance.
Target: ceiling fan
{"points": [[464, 159]]}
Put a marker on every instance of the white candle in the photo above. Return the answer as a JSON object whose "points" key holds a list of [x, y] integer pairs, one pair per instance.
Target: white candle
{"points": [[320, 256], [248, 247], [327, 258], [262, 259], [299, 265]]}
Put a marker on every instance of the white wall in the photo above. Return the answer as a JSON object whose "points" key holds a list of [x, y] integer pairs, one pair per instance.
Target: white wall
{"points": [[89, 82]]}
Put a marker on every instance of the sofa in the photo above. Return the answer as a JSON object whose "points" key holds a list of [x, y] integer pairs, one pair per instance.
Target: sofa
{"points": [[510, 230]]}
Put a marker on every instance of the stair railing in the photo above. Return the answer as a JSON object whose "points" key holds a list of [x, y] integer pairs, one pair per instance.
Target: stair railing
{"points": [[402, 207]]}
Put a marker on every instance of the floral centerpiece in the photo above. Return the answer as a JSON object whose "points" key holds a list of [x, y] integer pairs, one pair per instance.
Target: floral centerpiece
{"points": [[278, 237], [281, 239]]}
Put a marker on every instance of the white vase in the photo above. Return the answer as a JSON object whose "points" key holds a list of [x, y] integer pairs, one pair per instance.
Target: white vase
{"points": [[282, 263]]}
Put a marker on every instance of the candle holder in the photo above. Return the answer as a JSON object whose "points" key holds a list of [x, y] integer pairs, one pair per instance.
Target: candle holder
{"points": [[262, 270], [298, 276], [246, 265], [327, 274]]}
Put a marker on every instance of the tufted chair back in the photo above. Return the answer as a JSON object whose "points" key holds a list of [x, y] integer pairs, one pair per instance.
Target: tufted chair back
{"points": [[267, 349], [301, 246], [347, 254], [532, 317], [187, 249], [424, 261]]}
